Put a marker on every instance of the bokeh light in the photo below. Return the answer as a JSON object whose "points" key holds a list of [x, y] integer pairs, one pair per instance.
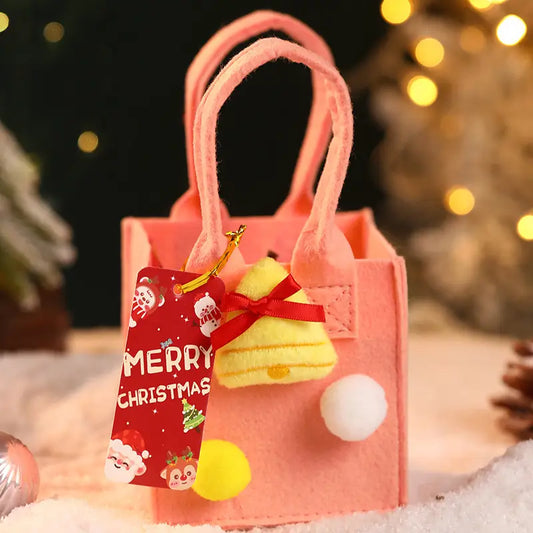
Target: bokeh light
{"points": [[472, 39], [429, 52], [53, 32], [459, 200], [4, 22], [511, 30], [524, 227], [422, 90], [480, 4], [88, 142], [396, 11]]}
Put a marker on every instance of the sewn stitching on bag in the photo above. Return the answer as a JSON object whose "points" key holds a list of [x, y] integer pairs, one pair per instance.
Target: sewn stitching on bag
{"points": [[399, 288], [334, 323], [297, 517]]}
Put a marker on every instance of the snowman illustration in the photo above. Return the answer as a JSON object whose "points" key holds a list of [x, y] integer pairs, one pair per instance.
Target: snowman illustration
{"points": [[208, 314]]}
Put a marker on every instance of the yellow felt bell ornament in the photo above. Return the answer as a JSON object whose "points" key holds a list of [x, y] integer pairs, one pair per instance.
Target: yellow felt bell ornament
{"points": [[272, 334]]}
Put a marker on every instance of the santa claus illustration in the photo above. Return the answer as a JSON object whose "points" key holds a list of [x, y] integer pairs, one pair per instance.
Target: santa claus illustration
{"points": [[125, 456]]}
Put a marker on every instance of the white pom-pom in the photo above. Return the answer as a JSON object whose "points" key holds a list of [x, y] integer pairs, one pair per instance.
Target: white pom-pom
{"points": [[145, 454], [353, 407]]}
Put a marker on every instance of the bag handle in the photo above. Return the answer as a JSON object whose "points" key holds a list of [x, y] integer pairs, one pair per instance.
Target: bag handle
{"points": [[321, 249], [204, 65]]}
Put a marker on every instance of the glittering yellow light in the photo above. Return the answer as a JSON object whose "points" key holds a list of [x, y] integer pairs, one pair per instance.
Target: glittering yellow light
{"points": [[53, 32], [88, 141], [4, 22], [524, 227], [396, 11], [498, 1], [429, 52], [459, 200], [511, 30], [422, 90], [472, 39], [480, 4]]}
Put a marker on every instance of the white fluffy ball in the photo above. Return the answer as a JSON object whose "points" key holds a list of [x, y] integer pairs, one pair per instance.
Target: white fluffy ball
{"points": [[353, 407]]}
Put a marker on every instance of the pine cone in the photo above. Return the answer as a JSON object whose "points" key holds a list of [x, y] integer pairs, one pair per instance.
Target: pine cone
{"points": [[518, 404], [524, 348]]}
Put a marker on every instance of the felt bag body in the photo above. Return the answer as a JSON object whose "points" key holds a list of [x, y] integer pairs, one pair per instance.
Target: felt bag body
{"points": [[168, 241], [299, 470]]}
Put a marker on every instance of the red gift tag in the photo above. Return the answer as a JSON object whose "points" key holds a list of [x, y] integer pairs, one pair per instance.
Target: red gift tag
{"points": [[165, 382]]}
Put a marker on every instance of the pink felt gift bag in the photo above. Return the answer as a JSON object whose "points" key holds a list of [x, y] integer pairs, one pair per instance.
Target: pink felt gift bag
{"points": [[168, 241], [300, 471]]}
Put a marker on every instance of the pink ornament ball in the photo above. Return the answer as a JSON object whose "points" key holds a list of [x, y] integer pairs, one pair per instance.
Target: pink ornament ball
{"points": [[19, 475]]}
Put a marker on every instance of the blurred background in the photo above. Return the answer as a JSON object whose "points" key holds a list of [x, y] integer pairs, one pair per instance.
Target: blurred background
{"points": [[91, 131]]}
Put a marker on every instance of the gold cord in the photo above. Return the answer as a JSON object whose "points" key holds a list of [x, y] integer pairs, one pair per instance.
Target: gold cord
{"points": [[234, 238]]}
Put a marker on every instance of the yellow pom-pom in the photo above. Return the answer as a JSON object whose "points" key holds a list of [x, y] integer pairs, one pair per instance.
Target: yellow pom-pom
{"points": [[223, 471]]}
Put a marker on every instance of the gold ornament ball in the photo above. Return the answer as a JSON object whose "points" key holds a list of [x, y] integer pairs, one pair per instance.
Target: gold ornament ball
{"points": [[19, 474]]}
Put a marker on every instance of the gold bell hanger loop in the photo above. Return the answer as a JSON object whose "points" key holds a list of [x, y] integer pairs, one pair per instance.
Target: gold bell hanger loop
{"points": [[234, 237]]}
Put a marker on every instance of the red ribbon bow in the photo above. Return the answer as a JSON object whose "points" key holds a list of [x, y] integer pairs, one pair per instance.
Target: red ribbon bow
{"points": [[273, 304]]}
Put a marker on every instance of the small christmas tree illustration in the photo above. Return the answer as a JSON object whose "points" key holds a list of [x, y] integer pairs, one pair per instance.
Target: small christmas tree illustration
{"points": [[192, 418]]}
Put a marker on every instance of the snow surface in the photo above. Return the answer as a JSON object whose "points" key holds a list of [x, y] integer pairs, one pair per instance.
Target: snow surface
{"points": [[62, 408], [498, 499]]}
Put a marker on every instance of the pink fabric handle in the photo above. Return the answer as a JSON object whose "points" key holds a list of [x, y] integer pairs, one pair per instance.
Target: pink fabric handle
{"points": [[320, 243], [316, 138]]}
